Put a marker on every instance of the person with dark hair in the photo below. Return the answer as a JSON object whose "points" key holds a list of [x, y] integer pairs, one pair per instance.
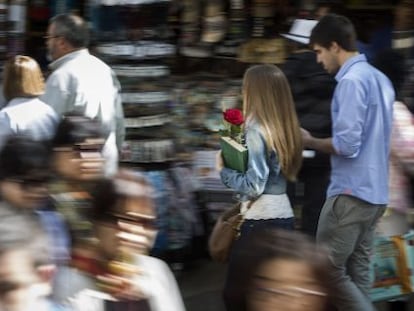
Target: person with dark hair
{"points": [[396, 220], [116, 262], [83, 83], [24, 174], [23, 83], [312, 89], [77, 163], [77, 147], [362, 108], [286, 271]]}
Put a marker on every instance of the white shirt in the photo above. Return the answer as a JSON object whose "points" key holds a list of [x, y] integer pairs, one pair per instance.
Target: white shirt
{"points": [[29, 116], [81, 82], [155, 280], [268, 206]]}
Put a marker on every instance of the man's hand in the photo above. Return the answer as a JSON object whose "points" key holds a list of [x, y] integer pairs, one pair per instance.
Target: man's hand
{"points": [[306, 137], [121, 288], [320, 144]]}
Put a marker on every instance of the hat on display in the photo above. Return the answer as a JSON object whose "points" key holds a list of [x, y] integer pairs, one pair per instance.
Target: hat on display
{"points": [[301, 30]]}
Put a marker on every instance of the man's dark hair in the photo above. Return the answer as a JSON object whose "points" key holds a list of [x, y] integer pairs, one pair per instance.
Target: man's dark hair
{"points": [[334, 28], [72, 28], [23, 156]]}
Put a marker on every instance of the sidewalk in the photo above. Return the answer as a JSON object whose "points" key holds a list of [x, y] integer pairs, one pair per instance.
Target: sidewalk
{"points": [[201, 284], [202, 281]]}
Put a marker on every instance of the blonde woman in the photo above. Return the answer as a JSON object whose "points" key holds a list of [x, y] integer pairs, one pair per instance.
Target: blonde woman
{"points": [[24, 112], [274, 143]]}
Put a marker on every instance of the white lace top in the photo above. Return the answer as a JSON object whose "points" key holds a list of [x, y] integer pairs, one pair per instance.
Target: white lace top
{"points": [[268, 206]]}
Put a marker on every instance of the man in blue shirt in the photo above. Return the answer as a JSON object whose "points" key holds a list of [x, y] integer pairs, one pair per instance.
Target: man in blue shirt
{"points": [[359, 148]]}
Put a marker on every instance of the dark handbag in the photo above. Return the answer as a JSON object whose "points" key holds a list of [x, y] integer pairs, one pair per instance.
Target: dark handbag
{"points": [[225, 231]]}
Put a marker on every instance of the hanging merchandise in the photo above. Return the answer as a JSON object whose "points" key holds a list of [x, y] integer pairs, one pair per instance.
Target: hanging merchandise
{"points": [[16, 17], [237, 29], [3, 29], [16, 20]]}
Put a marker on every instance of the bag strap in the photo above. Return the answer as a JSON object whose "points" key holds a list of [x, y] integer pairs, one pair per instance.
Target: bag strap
{"points": [[239, 224], [249, 205]]}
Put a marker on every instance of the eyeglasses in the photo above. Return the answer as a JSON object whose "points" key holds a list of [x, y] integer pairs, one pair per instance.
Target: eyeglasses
{"points": [[148, 222], [88, 147], [129, 219], [288, 292], [30, 182], [47, 37], [82, 148]]}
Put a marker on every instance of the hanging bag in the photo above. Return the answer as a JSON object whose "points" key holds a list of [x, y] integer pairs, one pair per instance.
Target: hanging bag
{"points": [[225, 232]]}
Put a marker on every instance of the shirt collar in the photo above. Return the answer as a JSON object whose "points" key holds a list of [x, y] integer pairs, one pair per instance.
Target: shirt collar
{"points": [[67, 57], [348, 64]]}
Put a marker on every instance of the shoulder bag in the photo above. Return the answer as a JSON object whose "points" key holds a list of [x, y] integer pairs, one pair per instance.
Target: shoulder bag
{"points": [[225, 232]]}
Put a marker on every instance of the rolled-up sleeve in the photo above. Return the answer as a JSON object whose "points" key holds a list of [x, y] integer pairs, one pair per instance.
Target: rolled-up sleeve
{"points": [[349, 114]]}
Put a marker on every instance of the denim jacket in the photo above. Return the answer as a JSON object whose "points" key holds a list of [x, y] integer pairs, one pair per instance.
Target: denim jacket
{"points": [[263, 175]]}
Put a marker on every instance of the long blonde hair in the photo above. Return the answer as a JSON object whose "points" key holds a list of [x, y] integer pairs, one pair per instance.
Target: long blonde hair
{"points": [[267, 98]]}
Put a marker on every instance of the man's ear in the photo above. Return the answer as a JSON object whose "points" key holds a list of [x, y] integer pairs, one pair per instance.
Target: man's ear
{"points": [[335, 47]]}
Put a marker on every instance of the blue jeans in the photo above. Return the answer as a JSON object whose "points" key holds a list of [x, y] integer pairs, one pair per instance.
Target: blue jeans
{"points": [[233, 293], [346, 226]]}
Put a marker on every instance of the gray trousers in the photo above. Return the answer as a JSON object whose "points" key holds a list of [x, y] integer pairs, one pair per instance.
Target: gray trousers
{"points": [[346, 226]]}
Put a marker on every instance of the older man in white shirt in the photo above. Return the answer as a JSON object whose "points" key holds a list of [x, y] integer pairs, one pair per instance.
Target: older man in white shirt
{"points": [[80, 82]]}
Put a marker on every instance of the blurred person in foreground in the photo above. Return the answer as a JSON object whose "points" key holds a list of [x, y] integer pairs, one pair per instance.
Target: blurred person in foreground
{"points": [[312, 89], [403, 42], [22, 284], [274, 144], [115, 268], [82, 83], [24, 174], [398, 218], [24, 112], [286, 271], [77, 164], [362, 108], [395, 221]]}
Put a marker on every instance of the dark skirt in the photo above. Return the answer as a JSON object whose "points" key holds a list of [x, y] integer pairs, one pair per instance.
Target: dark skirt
{"points": [[234, 293]]}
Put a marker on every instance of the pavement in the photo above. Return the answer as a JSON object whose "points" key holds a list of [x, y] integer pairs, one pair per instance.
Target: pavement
{"points": [[202, 280], [201, 283]]}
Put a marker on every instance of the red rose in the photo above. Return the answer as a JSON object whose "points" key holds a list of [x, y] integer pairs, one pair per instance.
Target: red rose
{"points": [[233, 116]]}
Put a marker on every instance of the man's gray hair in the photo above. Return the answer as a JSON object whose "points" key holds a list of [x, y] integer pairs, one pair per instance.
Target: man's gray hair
{"points": [[72, 28]]}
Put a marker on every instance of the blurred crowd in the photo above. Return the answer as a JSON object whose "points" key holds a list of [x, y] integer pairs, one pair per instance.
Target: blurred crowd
{"points": [[76, 230]]}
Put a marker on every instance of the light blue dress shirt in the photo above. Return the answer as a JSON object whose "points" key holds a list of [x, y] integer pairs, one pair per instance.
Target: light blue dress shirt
{"points": [[362, 109]]}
